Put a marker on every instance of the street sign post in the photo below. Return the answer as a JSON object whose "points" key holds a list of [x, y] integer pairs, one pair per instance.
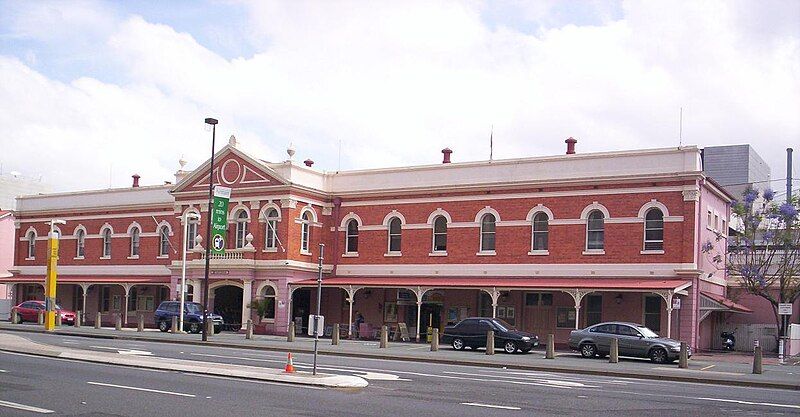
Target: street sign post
{"points": [[785, 309], [219, 219]]}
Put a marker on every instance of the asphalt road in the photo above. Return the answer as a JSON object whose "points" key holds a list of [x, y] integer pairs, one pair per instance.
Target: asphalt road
{"points": [[396, 389]]}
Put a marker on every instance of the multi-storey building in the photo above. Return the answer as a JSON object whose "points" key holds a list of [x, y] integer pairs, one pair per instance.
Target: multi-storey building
{"points": [[547, 243]]}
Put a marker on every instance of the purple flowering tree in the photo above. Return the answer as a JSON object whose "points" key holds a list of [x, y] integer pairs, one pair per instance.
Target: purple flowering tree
{"points": [[764, 253]]}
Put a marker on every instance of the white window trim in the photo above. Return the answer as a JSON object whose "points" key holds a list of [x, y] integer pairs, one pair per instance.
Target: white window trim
{"points": [[594, 252], [644, 231], [485, 211], [440, 253], [652, 252], [131, 257], [393, 254], [387, 222], [433, 235], [351, 217], [130, 252], [486, 253], [586, 250], [350, 255], [539, 252], [531, 216]]}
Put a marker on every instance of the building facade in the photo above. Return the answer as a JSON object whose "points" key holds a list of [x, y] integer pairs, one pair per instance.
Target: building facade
{"points": [[548, 244]]}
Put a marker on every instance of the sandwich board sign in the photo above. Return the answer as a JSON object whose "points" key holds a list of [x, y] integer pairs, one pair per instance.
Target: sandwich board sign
{"points": [[219, 219]]}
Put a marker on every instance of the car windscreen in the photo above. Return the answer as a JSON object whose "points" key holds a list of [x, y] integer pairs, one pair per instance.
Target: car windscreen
{"points": [[503, 326], [647, 332], [193, 308]]}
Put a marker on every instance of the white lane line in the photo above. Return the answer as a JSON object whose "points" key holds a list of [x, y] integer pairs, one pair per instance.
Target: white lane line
{"points": [[28, 355], [179, 394], [750, 402], [502, 407], [24, 407], [707, 367], [2, 371], [549, 382]]}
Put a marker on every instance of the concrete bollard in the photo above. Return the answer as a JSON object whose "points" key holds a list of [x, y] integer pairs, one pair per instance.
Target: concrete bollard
{"points": [[174, 325], [490, 342], [249, 330], [550, 353], [40, 318], [14, 317], [209, 327], [613, 355], [290, 334], [757, 360], [384, 337], [58, 319], [140, 325], [435, 340], [335, 335], [98, 320], [683, 358], [78, 318], [118, 323]]}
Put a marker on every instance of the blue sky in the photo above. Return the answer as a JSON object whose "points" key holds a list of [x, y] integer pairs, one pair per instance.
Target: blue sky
{"points": [[123, 87]]}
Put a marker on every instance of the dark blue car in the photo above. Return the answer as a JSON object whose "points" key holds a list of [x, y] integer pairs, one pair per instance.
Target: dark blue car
{"points": [[192, 316]]}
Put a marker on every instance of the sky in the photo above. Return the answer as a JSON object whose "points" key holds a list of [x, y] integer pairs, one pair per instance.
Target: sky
{"points": [[93, 92]]}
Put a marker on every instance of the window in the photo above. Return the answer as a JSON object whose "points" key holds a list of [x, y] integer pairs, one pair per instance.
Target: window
{"points": [[709, 220], [724, 230], [31, 244], [351, 243], [241, 228], [594, 309], [146, 303], [538, 299], [163, 242], [716, 221], [135, 237], [440, 234], [105, 299], [80, 238], [271, 232], [305, 232], [488, 232], [107, 242], [269, 303], [654, 230], [394, 235], [652, 313], [540, 226], [191, 233], [132, 297], [623, 330], [565, 317], [595, 230]]}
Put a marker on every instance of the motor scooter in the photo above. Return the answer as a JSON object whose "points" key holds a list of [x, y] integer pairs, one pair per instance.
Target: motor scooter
{"points": [[728, 340]]}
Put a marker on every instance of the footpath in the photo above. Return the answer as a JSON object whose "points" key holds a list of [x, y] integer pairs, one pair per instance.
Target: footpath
{"points": [[723, 369]]}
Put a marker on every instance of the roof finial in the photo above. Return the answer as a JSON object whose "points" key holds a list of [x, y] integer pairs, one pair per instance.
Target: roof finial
{"points": [[182, 162], [290, 151], [232, 141]]}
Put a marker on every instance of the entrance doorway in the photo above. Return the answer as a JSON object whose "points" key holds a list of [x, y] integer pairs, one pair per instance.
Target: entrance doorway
{"points": [[228, 304], [301, 308]]}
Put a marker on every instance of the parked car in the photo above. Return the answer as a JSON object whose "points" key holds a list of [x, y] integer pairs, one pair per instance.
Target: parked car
{"points": [[29, 311], [471, 332], [634, 340], [192, 316]]}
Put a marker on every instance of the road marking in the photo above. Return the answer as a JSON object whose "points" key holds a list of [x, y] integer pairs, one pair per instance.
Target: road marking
{"points": [[123, 351], [24, 407], [237, 380], [549, 382], [2, 371], [502, 407], [179, 394], [750, 402], [707, 367]]}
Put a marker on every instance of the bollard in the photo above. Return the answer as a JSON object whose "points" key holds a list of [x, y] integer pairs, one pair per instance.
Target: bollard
{"points": [[757, 366], [209, 327], [40, 320], [15, 317], [613, 355], [290, 334], [118, 324], [249, 330], [78, 318], [435, 340], [683, 359], [335, 335], [140, 326], [384, 337], [550, 353], [490, 342], [174, 325], [98, 321], [58, 319]]}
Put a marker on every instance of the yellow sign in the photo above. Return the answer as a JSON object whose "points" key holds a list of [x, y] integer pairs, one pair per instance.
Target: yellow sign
{"points": [[50, 283]]}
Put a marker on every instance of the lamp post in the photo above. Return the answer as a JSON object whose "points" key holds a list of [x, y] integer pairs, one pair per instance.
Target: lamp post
{"points": [[186, 219], [213, 123]]}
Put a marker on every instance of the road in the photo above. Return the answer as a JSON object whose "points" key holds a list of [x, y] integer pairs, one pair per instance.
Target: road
{"points": [[396, 388]]}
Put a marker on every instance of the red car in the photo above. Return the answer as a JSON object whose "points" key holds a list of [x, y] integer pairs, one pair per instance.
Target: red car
{"points": [[29, 311]]}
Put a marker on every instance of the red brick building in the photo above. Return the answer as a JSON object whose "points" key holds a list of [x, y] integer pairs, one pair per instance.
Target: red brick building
{"points": [[545, 243]]}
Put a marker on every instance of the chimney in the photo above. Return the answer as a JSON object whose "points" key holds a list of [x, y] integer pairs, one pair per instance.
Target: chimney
{"points": [[308, 162], [135, 180], [571, 145], [446, 152]]}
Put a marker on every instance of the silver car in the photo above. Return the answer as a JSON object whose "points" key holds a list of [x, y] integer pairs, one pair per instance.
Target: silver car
{"points": [[633, 340]]}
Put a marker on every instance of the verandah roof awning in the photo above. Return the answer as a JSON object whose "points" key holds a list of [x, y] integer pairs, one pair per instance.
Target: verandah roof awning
{"points": [[715, 302], [90, 279]]}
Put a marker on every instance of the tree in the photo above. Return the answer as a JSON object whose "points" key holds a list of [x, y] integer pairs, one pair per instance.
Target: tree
{"points": [[764, 252]]}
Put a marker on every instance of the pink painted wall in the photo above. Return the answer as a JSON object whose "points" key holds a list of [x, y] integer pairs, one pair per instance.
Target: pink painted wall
{"points": [[7, 237]]}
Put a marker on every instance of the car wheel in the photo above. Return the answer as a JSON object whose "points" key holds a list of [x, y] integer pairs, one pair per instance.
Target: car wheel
{"points": [[458, 344], [588, 350], [163, 326], [194, 327], [510, 347], [658, 355]]}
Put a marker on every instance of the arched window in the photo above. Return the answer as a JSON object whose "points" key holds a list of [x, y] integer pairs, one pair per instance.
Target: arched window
{"points": [[268, 300], [540, 231], [80, 239], [271, 231], [440, 234], [31, 244], [107, 242], [163, 241], [394, 234], [487, 232], [135, 240], [654, 230], [241, 228], [191, 232], [351, 244], [305, 232], [595, 231]]}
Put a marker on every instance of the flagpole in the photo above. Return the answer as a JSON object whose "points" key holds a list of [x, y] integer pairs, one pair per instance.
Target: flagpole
{"points": [[491, 143]]}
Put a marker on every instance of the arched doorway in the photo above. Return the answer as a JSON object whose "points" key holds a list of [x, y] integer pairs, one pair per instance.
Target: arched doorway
{"points": [[228, 304], [301, 308]]}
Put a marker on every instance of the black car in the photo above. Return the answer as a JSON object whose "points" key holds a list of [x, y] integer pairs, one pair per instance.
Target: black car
{"points": [[192, 316], [471, 332]]}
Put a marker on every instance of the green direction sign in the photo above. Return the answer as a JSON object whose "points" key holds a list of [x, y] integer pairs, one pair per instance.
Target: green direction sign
{"points": [[219, 219]]}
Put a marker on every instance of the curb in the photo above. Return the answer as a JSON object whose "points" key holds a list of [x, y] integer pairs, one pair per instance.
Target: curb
{"points": [[540, 368]]}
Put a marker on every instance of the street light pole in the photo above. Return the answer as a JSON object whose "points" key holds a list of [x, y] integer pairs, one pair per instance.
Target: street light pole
{"points": [[319, 301], [186, 218], [213, 123]]}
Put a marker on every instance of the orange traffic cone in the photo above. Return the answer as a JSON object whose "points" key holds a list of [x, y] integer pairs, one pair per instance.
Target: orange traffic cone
{"points": [[289, 364]]}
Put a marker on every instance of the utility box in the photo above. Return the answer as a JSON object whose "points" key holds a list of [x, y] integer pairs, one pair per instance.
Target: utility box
{"points": [[794, 340]]}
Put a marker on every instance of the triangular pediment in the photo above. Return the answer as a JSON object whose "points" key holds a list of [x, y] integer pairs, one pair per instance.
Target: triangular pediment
{"points": [[232, 168]]}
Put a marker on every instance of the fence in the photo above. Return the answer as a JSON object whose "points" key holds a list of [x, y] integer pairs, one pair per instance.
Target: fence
{"points": [[746, 334]]}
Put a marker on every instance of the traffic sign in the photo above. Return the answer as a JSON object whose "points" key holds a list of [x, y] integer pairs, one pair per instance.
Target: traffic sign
{"points": [[219, 219], [676, 303], [785, 309]]}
